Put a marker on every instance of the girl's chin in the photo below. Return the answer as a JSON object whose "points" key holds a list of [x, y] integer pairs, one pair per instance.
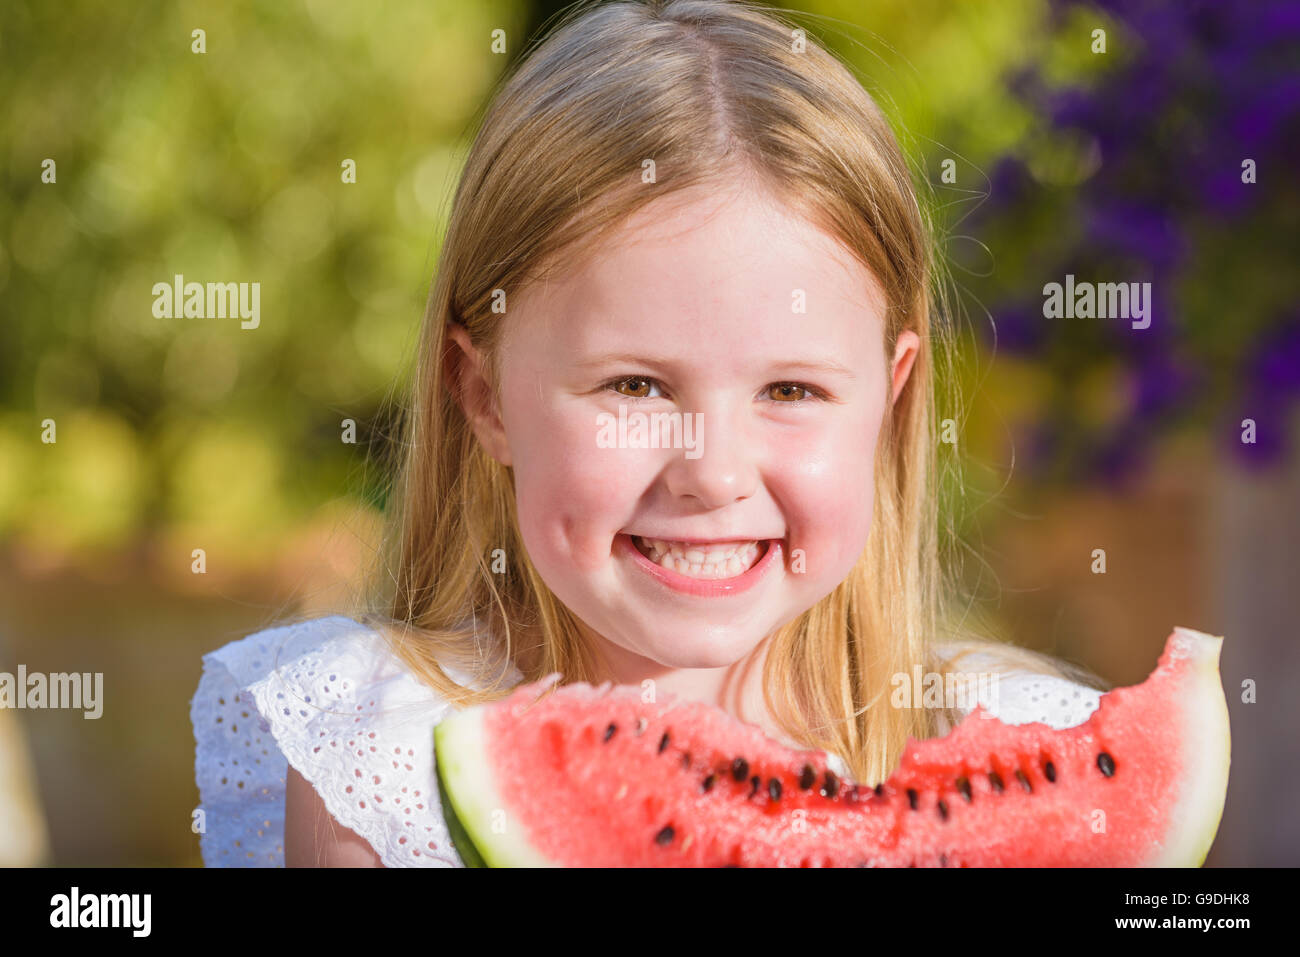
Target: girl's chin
{"points": [[694, 651]]}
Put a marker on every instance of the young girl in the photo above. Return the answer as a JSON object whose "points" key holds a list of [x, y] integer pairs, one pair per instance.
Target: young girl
{"points": [[680, 209]]}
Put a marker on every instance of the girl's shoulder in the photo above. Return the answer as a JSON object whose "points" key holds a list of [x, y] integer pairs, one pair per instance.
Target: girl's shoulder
{"points": [[1016, 684], [328, 697]]}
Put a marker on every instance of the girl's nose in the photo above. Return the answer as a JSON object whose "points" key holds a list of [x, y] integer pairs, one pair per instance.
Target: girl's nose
{"points": [[725, 471]]}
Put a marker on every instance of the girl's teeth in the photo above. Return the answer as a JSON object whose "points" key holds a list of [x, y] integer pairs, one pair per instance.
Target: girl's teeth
{"points": [[701, 561]]}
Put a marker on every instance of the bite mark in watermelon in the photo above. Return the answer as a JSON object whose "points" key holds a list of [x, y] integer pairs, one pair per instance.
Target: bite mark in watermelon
{"points": [[582, 776]]}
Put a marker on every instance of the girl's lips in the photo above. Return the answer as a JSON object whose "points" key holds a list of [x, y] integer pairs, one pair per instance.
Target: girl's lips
{"points": [[702, 587]]}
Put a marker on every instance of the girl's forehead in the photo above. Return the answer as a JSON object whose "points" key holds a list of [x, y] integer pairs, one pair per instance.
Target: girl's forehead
{"points": [[702, 253]]}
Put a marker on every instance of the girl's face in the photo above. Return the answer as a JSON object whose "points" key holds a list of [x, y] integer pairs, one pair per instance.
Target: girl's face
{"points": [[759, 340]]}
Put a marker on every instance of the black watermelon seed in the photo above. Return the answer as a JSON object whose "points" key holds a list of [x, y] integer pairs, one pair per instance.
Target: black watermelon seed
{"points": [[640, 725], [1049, 770], [663, 742], [995, 779], [774, 789], [609, 732], [943, 860], [963, 785], [943, 809], [911, 798], [665, 836], [1106, 763], [740, 769], [708, 784], [880, 790], [808, 777], [754, 782], [686, 759], [831, 786], [1024, 781]]}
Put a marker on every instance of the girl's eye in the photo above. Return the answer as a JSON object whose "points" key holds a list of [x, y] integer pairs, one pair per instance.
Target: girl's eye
{"points": [[634, 387], [788, 392], [643, 387]]}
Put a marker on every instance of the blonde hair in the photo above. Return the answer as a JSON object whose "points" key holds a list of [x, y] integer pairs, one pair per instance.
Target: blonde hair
{"points": [[710, 90]]}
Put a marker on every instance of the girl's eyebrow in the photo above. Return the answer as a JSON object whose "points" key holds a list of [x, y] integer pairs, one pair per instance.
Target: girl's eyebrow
{"points": [[815, 365], [626, 358], [823, 365]]}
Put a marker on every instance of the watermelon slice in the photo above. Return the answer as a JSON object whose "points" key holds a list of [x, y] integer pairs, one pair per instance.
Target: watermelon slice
{"points": [[582, 776]]}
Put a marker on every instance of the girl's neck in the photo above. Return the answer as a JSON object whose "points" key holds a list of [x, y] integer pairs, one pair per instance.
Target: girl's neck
{"points": [[737, 688]]}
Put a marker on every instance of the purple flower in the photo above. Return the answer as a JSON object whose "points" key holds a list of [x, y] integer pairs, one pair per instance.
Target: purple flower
{"points": [[1120, 455], [1010, 182], [1072, 107], [1226, 196], [1037, 448], [1018, 328], [1162, 383], [1275, 367], [1135, 230], [1199, 89], [1280, 20], [1262, 118]]}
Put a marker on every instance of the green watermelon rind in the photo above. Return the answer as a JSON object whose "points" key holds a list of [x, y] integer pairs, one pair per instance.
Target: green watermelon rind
{"points": [[460, 743], [453, 758], [460, 839], [1208, 740]]}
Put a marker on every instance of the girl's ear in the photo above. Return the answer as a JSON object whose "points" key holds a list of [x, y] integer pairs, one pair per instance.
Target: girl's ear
{"points": [[905, 350], [465, 370]]}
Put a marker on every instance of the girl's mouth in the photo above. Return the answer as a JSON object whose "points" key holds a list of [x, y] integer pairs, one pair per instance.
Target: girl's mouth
{"points": [[700, 560], [700, 568]]}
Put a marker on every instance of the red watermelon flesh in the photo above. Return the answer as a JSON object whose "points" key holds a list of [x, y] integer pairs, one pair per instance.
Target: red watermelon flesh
{"points": [[582, 776]]}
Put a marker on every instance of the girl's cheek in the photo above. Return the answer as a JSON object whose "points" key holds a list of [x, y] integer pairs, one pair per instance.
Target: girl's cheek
{"points": [[573, 494], [826, 488]]}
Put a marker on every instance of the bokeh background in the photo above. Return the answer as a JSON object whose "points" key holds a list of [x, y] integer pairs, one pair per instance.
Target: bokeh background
{"points": [[1123, 165]]}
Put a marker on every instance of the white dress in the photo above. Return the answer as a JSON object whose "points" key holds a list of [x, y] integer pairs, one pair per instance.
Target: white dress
{"points": [[328, 697]]}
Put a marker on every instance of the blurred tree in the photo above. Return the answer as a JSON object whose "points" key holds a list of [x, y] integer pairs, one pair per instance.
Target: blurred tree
{"points": [[130, 156]]}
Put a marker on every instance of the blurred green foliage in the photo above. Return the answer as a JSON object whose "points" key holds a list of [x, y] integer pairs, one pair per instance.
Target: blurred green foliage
{"points": [[225, 166]]}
